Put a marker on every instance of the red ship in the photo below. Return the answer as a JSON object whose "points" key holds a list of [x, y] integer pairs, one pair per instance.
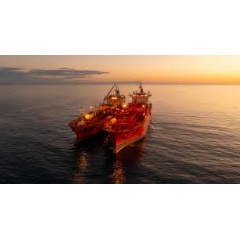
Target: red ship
{"points": [[129, 122], [91, 123]]}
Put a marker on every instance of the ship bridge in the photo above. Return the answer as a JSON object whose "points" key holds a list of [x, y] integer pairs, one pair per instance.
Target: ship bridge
{"points": [[116, 98], [140, 97]]}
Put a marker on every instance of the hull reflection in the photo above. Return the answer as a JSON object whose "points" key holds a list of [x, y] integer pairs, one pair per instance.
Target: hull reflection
{"points": [[82, 163], [95, 165], [125, 163]]}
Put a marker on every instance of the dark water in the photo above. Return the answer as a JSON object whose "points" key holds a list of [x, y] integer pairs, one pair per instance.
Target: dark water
{"points": [[194, 137]]}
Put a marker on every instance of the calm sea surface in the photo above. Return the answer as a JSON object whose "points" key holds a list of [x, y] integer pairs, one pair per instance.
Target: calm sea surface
{"points": [[194, 136]]}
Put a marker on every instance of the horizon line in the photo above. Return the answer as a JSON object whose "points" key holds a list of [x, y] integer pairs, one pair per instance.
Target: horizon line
{"points": [[116, 82]]}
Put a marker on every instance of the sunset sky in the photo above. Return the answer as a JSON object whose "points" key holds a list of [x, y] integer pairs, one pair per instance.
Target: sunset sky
{"points": [[162, 69]]}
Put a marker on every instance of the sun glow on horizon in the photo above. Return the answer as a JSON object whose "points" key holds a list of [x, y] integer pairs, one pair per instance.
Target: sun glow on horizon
{"points": [[161, 69]]}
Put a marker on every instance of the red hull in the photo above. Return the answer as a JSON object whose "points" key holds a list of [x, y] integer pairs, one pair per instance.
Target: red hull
{"points": [[84, 132], [92, 122], [85, 135], [120, 140]]}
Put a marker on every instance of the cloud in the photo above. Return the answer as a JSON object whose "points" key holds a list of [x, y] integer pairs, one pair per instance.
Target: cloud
{"points": [[65, 73], [7, 69], [11, 75]]}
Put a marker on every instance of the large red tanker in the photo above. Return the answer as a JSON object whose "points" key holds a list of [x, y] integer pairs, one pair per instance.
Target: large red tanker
{"points": [[129, 123]]}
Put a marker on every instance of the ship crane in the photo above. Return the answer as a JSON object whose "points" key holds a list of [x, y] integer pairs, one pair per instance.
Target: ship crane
{"points": [[106, 97]]}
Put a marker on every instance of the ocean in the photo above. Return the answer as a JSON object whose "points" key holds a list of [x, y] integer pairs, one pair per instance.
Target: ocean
{"points": [[194, 136]]}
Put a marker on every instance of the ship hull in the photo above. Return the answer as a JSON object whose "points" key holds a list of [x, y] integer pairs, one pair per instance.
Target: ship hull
{"points": [[120, 140], [86, 131], [91, 123], [83, 135]]}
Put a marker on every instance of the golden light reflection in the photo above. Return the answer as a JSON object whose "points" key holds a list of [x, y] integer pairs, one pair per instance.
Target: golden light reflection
{"points": [[118, 175], [82, 163]]}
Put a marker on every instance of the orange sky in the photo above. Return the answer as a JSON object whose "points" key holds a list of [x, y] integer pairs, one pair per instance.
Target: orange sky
{"points": [[163, 69]]}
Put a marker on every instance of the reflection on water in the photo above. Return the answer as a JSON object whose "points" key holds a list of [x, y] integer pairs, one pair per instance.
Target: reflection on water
{"points": [[125, 163], [118, 174], [82, 163], [118, 169]]}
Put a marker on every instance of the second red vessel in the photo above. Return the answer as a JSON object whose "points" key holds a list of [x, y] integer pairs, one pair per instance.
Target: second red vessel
{"points": [[91, 123]]}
